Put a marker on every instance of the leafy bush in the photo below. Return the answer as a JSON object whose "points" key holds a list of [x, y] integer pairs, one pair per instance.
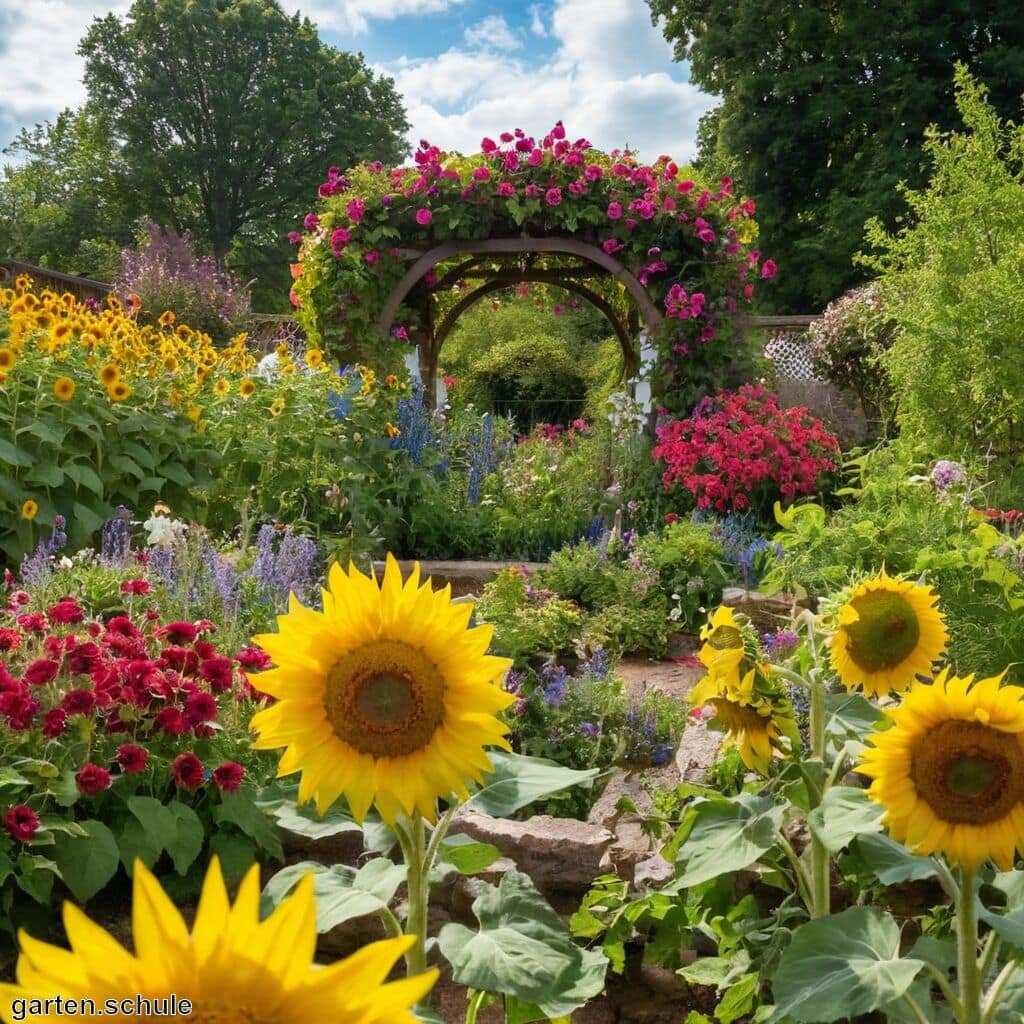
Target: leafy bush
{"points": [[847, 344], [740, 450], [164, 273], [953, 285]]}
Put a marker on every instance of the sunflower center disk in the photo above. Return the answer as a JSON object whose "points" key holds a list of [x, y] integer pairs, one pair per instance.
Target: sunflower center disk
{"points": [[738, 717], [726, 638], [385, 699], [968, 773], [885, 633]]}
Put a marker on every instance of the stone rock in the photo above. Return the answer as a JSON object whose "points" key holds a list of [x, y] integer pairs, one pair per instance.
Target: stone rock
{"points": [[764, 611], [465, 577], [652, 872], [344, 848], [561, 855], [697, 751]]}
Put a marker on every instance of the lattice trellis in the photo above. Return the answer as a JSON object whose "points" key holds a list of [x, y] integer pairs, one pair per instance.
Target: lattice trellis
{"points": [[790, 351]]}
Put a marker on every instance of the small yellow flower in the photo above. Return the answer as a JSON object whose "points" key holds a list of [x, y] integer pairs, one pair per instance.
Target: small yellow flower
{"points": [[64, 388], [314, 358], [288, 369], [118, 391], [166, 319], [171, 363], [194, 413], [221, 388], [247, 387], [201, 372], [29, 510], [283, 351], [175, 397], [277, 407], [109, 375], [7, 358], [392, 431]]}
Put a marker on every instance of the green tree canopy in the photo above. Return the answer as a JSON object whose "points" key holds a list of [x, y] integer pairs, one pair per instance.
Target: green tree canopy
{"points": [[229, 111], [824, 109]]}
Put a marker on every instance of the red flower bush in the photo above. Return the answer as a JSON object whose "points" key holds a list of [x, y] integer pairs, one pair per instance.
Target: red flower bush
{"points": [[740, 451]]}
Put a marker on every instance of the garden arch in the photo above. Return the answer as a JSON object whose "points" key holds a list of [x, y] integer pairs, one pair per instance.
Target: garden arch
{"points": [[431, 336]]}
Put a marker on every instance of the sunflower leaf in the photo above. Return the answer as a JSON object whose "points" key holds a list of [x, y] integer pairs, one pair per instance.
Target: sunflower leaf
{"points": [[892, 862], [522, 950], [843, 814], [724, 835], [518, 781], [840, 966]]}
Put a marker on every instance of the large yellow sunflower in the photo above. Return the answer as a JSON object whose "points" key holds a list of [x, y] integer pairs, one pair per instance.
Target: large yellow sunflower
{"points": [[231, 968], [950, 770], [384, 696], [889, 632], [757, 717]]}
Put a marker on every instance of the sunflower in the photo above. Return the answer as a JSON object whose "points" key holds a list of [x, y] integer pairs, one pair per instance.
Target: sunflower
{"points": [[29, 510], [314, 358], [757, 716], [171, 363], [118, 391], [723, 648], [277, 407], [7, 358], [384, 696], [109, 375], [166, 318], [889, 632], [247, 387], [221, 388], [950, 771], [194, 413], [232, 967], [64, 388]]}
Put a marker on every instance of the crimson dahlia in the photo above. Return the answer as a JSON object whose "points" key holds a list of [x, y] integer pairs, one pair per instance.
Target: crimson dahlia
{"points": [[21, 822], [92, 779], [187, 771]]}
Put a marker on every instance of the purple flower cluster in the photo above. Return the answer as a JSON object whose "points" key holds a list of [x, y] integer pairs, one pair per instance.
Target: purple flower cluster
{"points": [[946, 475], [115, 540], [554, 679], [286, 563]]}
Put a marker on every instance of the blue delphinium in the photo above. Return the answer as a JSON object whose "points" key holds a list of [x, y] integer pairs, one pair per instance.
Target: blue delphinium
{"points": [[554, 679], [116, 541]]}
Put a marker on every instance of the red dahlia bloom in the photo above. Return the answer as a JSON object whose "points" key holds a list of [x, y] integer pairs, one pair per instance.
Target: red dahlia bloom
{"points": [[178, 632], [218, 672], [187, 771], [228, 776], [54, 723], [79, 702], [41, 671], [200, 707], [10, 639], [253, 658], [131, 758], [92, 779], [33, 622], [21, 822], [135, 587], [172, 721], [65, 612]]}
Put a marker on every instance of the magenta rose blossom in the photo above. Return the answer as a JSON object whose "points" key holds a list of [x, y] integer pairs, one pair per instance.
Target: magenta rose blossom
{"points": [[424, 216], [614, 211], [553, 196]]}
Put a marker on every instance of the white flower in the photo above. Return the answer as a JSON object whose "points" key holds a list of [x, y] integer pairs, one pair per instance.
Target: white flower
{"points": [[66, 563], [163, 532], [268, 366]]}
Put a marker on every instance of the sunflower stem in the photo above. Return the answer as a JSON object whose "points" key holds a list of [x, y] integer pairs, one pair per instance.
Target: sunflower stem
{"points": [[414, 849], [821, 868], [967, 950], [803, 883], [995, 993], [476, 1001]]}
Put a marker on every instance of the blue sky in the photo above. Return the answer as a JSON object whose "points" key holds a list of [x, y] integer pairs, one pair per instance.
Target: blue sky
{"points": [[466, 68]]}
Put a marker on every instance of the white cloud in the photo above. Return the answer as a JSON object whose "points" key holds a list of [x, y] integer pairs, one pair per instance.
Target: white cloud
{"points": [[354, 16], [492, 33], [537, 21], [611, 78]]}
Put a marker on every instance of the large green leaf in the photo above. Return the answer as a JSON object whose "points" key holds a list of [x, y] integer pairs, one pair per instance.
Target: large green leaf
{"points": [[522, 950], [466, 855], [840, 966], [49, 474], [188, 836], [724, 835], [517, 781], [342, 893], [849, 716], [892, 862], [844, 813], [14, 456], [87, 863], [239, 809], [304, 820]]}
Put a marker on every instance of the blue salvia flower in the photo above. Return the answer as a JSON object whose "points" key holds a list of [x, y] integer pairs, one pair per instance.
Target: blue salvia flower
{"points": [[163, 563], [116, 541], [599, 664], [590, 729], [473, 491], [417, 431], [224, 578], [554, 678]]}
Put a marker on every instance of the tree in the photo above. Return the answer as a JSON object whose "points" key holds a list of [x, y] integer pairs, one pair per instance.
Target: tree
{"points": [[229, 111], [66, 205], [824, 109]]}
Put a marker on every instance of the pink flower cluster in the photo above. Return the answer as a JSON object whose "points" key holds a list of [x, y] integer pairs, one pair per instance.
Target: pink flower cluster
{"points": [[740, 448]]}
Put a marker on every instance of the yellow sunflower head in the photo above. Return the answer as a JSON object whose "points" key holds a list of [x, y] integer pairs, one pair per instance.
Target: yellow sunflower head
{"points": [[7, 359], [194, 413], [277, 407], [889, 632], [314, 358], [950, 770], [166, 319], [118, 391], [725, 644], [231, 967], [221, 388], [109, 374], [247, 387], [29, 510], [385, 696], [64, 388]]}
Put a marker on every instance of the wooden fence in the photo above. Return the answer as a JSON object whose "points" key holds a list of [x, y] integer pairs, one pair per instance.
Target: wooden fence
{"points": [[81, 287]]}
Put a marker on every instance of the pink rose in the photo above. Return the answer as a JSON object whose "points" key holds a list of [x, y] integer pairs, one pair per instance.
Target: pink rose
{"points": [[424, 216], [553, 196], [506, 189], [614, 211]]}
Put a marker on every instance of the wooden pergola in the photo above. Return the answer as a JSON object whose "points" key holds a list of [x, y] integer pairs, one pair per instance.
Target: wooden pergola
{"points": [[494, 264]]}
